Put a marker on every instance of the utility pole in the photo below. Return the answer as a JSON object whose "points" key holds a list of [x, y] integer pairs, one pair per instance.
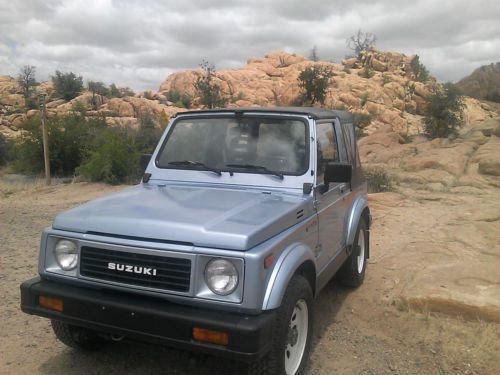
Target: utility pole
{"points": [[45, 136]]}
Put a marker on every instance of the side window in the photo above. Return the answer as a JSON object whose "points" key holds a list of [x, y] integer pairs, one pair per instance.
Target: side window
{"points": [[326, 144], [348, 142], [342, 149]]}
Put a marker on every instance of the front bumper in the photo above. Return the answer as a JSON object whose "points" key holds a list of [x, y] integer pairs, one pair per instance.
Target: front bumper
{"points": [[151, 320]]}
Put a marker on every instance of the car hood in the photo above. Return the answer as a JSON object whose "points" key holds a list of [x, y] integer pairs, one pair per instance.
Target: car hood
{"points": [[226, 218]]}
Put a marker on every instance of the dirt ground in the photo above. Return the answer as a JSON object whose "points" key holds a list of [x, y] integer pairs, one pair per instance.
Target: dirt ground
{"points": [[428, 251]]}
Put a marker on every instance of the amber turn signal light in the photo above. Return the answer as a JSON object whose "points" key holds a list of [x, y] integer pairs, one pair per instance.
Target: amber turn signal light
{"points": [[213, 337], [51, 303]]}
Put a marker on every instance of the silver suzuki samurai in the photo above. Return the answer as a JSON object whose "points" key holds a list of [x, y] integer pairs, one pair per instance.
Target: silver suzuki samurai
{"points": [[241, 218]]}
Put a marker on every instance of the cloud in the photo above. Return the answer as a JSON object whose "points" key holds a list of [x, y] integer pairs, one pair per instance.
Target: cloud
{"points": [[138, 42]]}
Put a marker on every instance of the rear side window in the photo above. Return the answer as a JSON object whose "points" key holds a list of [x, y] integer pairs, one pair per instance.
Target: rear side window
{"points": [[327, 148], [348, 142]]}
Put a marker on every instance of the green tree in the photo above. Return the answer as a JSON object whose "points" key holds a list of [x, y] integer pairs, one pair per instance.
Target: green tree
{"points": [[67, 86], [27, 82], [6, 146], [98, 90], [113, 91], [420, 72], [445, 112], [210, 92], [148, 134], [69, 139], [314, 81], [112, 157]]}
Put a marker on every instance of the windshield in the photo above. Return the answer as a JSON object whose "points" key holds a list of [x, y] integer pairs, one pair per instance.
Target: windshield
{"points": [[246, 145]]}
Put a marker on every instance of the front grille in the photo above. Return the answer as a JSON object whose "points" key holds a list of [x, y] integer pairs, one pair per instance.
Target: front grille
{"points": [[136, 269]]}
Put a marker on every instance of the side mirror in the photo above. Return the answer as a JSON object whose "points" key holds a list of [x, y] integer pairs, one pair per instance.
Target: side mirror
{"points": [[143, 163], [338, 172]]}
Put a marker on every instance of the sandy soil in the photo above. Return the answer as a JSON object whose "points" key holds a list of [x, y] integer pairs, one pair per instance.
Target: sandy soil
{"points": [[425, 247]]}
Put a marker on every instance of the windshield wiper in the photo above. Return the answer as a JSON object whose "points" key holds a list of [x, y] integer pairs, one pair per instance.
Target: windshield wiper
{"points": [[257, 167], [198, 164]]}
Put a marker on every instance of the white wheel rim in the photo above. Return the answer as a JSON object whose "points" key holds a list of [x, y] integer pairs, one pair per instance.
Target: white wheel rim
{"points": [[296, 337], [361, 246]]}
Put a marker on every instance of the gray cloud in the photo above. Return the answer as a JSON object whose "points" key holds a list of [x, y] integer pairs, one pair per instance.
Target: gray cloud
{"points": [[139, 42]]}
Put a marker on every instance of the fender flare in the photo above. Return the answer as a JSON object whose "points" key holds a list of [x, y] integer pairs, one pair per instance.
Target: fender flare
{"points": [[358, 208], [286, 266]]}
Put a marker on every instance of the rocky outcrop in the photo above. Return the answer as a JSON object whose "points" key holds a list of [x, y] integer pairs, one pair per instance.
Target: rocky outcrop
{"points": [[391, 95]]}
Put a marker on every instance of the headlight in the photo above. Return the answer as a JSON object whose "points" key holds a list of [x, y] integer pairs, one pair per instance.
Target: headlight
{"points": [[66, 254], [221, 276]]}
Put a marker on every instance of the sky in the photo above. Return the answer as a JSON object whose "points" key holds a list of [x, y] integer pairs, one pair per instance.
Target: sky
{"points": [[138, 43]]}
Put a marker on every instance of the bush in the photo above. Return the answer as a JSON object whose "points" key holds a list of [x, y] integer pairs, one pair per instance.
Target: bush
{"points": [[362, 119], [385, 79], [67, 86], [314, 81], [112, 157], [69, 138], [181, 100], [359, 133], [420, 72], [364, 99], [119, 92], [6, 150], [367, 72], [210, 93], [444, 113], [148, 134], [378, 180], [493, 96]]}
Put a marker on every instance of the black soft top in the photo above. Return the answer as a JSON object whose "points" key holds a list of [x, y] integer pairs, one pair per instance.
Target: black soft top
{"points": [[315, 113]]}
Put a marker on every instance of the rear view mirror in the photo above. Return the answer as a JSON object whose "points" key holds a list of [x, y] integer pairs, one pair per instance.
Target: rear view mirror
{"points": [[338, 172]]}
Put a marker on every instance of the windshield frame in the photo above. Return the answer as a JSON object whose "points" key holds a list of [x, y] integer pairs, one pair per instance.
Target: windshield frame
{"points": [[236, 116]]}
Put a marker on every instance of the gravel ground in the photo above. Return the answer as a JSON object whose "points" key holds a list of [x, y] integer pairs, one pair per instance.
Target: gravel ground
{"points": [[363, 331]]}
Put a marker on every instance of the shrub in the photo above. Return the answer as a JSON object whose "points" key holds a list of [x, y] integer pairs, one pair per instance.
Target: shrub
{"points": [[181, 100], [420, 72], [97, 88], [210, 92], [364, 99], [378, 180], [359, 133], [340, 107], [112, 157], [6, 150], [148, 134], [314, 81], [367, 72], [362, 119], [67, 86], [385, 79], [445, 112], [119, 92], [493, 96], [69, 138]]}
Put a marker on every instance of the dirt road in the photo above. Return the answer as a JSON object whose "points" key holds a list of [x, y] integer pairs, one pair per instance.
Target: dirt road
{"points": [[372, 330]]}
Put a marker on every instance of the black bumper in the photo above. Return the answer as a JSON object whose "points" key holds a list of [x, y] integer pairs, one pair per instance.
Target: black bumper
{"points": [[150, 320]]}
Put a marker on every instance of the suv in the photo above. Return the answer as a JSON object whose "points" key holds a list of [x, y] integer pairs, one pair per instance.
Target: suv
{"points": [[241, 218]]}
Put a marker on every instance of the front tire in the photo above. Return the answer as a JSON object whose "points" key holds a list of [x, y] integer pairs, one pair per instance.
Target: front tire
{"points": [[77, 337], [292, 333], [352, 272]]}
